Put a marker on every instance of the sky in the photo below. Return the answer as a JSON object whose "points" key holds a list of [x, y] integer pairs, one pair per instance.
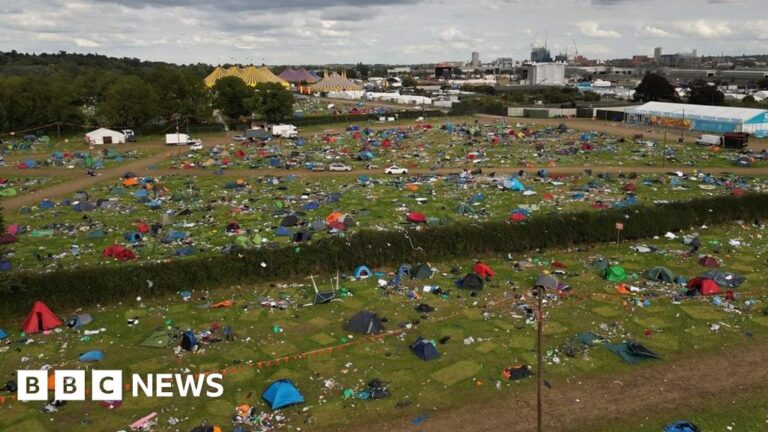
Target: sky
{"points": [[377, 31]]}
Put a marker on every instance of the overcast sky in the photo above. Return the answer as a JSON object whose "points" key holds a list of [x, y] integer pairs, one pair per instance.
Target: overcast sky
{"points": [[379, 31]]}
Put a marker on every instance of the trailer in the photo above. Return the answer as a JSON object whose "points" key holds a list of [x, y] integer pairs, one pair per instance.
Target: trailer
{"points": [[285, 131], [735, 140], [177, 139]]}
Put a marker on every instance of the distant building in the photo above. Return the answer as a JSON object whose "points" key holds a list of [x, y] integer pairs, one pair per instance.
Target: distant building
{"points": [[443, 70], [657, 55], [504, 63], [640, 59], [703, 118], [679, 60], [399, 70], [475, 59], [546, 73], [583, 61], [540, 55]]}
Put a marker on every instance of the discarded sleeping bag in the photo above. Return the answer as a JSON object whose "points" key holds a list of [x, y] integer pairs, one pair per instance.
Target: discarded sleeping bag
{"points": [[517, 372]]}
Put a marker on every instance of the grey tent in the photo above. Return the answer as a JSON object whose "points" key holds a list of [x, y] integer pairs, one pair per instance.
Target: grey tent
{"points": [[632, 352], [79, 320], [161, 338], [365, 322], [465, 209], [81, 196], [724, 279], [318, 226], [660, 274], [599, 264], [290, 220], [471, 281], [421, 271]]}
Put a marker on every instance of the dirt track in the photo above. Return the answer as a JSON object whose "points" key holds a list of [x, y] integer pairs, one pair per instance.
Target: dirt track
{"points": [[614, 398]]}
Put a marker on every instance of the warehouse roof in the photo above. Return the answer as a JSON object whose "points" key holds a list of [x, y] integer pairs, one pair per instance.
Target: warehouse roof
{"points": [[697, 111]]}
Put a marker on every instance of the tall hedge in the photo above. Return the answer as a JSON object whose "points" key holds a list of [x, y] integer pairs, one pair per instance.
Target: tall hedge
{"points": [[85, 286]]}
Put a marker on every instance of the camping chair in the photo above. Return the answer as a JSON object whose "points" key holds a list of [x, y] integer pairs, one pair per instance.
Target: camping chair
{"points": [[325, 296]]}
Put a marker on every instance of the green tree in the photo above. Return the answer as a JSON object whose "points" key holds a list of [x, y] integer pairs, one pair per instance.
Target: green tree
{"points": [[763, 84], [231, 96], [409, 81], [705, 94], [272, 103], [129, 102], [362, 70], [749, 101], [179, 92], [655, 87]]}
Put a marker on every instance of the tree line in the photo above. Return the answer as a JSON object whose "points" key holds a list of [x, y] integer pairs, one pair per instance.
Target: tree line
{"points": [[92, 90], [655, 87]]}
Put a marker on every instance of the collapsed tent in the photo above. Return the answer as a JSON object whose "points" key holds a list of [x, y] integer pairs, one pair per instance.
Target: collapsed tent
{"points": [[92, 356], [79, 320], [282, 393], [40, 319], [365, 322], [416, 217], [615, 274], [188, 341], [161, 338], [471, 281], [632, 352], [421, 271], [425, 349], [118, 252], [724, 279]]}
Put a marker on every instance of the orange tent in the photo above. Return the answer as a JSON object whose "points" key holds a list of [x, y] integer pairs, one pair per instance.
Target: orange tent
{"points": [[333, 217], [133, 181], [412, 187], [223, 304]]}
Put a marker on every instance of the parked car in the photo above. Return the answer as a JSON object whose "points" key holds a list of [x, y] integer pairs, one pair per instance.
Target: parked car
{"points": [[197, 145], [394, 169], [239, 137], [337, 166]]}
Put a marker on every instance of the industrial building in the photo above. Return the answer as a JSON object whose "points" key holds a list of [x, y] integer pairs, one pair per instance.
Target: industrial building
{"points": [[546, 73], [703, 118]]}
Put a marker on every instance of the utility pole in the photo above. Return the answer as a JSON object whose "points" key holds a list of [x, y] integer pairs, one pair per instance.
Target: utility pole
{"points": [[543, 283]]}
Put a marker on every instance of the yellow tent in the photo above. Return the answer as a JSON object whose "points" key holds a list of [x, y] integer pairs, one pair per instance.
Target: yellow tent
{"points": [[211, 79], [251, 75], [335, 82]]}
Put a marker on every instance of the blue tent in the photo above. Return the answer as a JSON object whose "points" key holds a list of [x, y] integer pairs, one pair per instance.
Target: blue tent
{"points": [[334, 196], [282, 393], [681, 426], [513, 184], [362, 271], [185, 251], [83, 206], [132, 237], [188, 340], [92, 356], [46, 204], [313, 205], [5, 265], [140, 193], [175, 235], [3, 334], [283, 231], [425, 349]]}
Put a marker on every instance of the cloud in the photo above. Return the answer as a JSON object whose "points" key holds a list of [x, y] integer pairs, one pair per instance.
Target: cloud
{"points": [[593, 30], [259, 5], [705, 29], [651, 31]]}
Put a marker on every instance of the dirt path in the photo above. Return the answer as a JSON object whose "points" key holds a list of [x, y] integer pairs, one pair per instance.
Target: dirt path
{"points": [[619, 129], [602, 400], [141, 168]]}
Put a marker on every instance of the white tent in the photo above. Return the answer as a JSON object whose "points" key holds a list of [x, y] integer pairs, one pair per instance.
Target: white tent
{"points": [[104, 136]]}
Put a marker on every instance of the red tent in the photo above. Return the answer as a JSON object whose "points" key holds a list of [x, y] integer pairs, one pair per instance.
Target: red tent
{"points": [[518, 217], [704, 286], [416, 217], [40, 319], [483, 270], [709, 261], [629, 187], [118, 252], [143, 228]]}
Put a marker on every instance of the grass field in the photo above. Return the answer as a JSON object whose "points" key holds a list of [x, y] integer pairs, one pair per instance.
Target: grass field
{"points": [[496, 319]]}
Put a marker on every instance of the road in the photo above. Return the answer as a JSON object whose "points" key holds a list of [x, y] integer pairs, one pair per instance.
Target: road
{"points": [[585, 402]]}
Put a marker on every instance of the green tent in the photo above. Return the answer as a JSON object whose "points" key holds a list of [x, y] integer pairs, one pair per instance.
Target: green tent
{"points": [[42, 233], [95, 234], [660, 274], [615, 274], [465, 209], [161, 338], [8, 192], [632, 352], [243, 242]]}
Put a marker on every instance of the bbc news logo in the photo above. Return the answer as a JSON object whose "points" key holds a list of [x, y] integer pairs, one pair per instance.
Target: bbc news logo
{"points": [[107, 385]]}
